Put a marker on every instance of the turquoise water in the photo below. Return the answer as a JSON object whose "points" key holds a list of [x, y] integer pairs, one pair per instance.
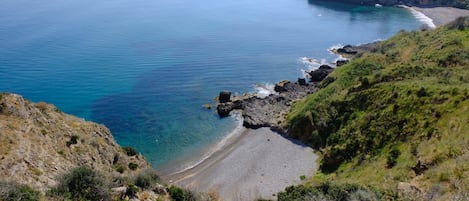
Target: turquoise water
{"points": [[144, 68]]}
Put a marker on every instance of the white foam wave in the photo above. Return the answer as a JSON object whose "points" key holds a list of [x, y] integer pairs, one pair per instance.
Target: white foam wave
{"points": [[421, 17], [264, 89], [218, 146]]}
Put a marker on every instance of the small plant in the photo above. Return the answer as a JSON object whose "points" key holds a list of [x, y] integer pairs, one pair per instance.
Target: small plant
{"points": [[73, 140], [119, 168], [133, 166], [44, 132], [302, 177], [146, 179], [129, 151], [392, 157], [131, 191]]}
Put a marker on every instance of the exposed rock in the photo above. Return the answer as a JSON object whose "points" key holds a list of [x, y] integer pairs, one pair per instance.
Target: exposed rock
{"points": [[225, 96], [268, 111], [321, 73], [349, 50], [207, 106], [38, 143], [302, 81], [408, 188], [341, 62], [420, 167]]}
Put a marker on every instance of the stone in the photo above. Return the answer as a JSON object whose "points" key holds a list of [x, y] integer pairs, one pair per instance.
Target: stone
{"points": [[207, 106], [281, 86], [341, 62], [302, 81], [225, 96]]}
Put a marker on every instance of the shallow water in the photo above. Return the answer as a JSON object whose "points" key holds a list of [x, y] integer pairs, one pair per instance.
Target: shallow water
{"points": [[144, 68]]}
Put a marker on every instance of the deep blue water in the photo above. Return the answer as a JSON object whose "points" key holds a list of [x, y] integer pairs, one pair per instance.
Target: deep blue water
{"points": [[144, 67]]}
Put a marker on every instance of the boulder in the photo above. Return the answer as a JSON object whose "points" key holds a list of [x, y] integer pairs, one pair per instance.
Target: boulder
{"points": [[325, 67], [341, 62], [225, 96], [302, 81], [282, 86], [318, 75]]}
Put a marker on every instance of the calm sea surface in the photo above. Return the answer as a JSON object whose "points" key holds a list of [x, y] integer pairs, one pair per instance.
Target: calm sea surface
{"points": [[144, 68]]}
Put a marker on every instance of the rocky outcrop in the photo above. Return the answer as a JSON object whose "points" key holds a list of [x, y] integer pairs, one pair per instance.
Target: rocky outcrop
{"points": [[321, 73], [38, 143], [351, 50], [267, 111]]}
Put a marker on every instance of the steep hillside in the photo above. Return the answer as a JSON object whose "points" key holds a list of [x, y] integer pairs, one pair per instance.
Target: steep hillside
{"points": [[396, 114]]}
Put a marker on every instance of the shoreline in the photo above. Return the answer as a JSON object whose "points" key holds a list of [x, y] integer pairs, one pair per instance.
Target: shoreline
{"points": [[251, 164], [436, 16]]}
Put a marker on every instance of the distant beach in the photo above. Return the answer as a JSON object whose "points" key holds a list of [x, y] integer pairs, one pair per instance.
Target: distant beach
{"points": [[437, 16], [256, 164]]}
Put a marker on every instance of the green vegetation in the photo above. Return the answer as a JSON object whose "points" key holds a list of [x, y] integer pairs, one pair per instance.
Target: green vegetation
{"points": [[179, 194], [147, 179], [394, 113], [334, 192], [133, 166], [9, 191], [129, 151], [82, 183], [73, 140]]}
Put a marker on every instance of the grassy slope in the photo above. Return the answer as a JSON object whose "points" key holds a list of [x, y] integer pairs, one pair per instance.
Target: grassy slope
{"points": [[405, 101]]}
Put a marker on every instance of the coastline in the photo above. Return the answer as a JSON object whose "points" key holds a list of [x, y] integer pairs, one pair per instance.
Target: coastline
{"points": [[252, 164], [245, 166], [436, 16]]}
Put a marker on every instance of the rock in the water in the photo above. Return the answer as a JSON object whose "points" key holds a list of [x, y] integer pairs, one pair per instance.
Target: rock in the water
{"points": [[302, 81], [224, 109], [207, 106], [348, 49], [225, 96]]}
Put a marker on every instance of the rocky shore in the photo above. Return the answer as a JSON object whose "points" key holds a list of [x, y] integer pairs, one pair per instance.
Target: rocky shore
{"points": [[269, 111]]}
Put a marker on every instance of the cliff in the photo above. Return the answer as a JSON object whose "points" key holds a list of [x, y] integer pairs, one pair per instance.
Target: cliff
{"points": [[38, 143]]}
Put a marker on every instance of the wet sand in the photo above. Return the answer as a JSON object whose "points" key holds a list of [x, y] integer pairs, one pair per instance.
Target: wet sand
{"points": [[255, 164]]}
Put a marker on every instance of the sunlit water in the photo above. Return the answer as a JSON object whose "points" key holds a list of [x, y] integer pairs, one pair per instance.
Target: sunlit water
{"points": [[144, 68]]}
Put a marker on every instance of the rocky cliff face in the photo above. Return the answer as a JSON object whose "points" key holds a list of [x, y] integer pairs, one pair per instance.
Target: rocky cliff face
{"points": [[38, 143]]}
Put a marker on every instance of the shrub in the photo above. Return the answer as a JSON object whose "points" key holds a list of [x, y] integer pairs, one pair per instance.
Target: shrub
{"points": [[82, 183], [146, 179], [133, 166], [131, 191], [9, 191], [392, 157], [119, 168], [73, 140], [178, 194], [129, 151]]}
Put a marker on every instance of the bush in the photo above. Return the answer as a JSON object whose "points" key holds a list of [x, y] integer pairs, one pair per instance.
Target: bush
{"points": [[133, 166], [82, 183], [129, 151], [147, 179], [131, 191], [392, 157], [178, 194], [15, 192], [73, 140]]}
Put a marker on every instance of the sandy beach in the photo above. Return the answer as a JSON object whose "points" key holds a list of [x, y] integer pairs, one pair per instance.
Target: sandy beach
{"points": [[256, 164], [442, 15]]}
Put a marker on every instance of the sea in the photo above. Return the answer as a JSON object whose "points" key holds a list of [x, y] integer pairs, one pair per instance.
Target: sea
{"points": [[144, 68]]}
